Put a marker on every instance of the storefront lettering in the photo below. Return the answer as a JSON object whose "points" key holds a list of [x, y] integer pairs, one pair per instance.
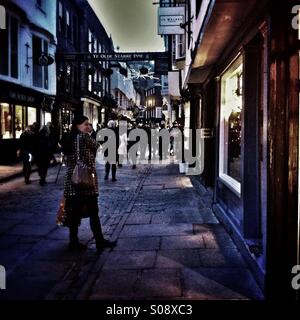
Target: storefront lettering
{"points": [[21, 97]]}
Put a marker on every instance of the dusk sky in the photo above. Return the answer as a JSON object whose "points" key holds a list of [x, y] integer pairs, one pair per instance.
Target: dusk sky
{"points": [[132, 23]]}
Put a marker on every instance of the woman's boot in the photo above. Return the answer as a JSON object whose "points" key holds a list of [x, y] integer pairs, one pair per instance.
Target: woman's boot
{"points": [[74, 244]]}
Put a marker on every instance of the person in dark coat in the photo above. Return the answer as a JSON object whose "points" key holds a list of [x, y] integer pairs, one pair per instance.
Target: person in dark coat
{"points": [[113, 166], [92, 132], [27, 150], [132, 155], [43, 153], [82, 203]]}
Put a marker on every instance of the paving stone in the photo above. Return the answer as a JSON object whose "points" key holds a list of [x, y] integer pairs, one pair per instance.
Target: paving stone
{"points": [[156, 230], [198, 287], [114, 284], [138, 218], [130, 260], [237, 279], [149, 243], [19, 288], [6, 225], [42, 270], [158, 283], [52, 250], [23, 229], [182, 242], [221, 258], [178, 258]]}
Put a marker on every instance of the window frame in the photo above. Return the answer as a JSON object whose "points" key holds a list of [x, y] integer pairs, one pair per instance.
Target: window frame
{"points": [[45, 70], [10, 15]]}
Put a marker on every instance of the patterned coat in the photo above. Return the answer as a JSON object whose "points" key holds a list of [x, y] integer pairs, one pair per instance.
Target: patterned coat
{"points": [[87, 147]]}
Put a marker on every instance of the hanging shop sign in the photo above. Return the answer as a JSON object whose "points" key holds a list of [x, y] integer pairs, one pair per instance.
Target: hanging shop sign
{"points": [[45, 60], [170, 20]]}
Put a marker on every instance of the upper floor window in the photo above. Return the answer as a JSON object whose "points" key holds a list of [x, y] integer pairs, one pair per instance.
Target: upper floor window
{"points": [[198, 6], [68, 26], [40, 73], [75, 30], [90, 40], [180, 46], [60, 17], [9, 52]]}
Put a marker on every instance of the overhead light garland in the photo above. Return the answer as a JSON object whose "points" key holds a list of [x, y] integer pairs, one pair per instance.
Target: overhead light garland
{"points": [[142, 74]]}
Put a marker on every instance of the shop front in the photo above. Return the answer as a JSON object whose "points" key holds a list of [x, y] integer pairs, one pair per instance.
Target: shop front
{"points": [[91, 110], [19, 108]]}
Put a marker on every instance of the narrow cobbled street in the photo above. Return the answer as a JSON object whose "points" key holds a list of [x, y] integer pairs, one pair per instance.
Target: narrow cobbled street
{"points": [[170, 244]]}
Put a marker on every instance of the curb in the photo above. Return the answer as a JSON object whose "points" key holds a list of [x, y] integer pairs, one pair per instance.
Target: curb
{"points": [[20, 174]]}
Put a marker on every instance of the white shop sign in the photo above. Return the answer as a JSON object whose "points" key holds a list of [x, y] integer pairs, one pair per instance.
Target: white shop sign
{"points": [[169, 20]]}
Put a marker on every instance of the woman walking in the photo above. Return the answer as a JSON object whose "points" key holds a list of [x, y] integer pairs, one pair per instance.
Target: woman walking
{"points": [[82, 202]]}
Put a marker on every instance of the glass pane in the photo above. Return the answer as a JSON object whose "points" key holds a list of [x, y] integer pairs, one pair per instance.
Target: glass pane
{"points": [[31, 115], [95, 117], [234, 145], [19, 121], [47, 117], [37, 69], [14, 48], [4, 50], [6, 121], [46, 76], [231, 122], [60, 9]]}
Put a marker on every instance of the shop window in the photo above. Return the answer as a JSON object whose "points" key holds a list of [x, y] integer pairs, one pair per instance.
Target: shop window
{"points": [[19, 120], [48, 117], [9, 57], [6, 119], [31, 115], [230, 170]]}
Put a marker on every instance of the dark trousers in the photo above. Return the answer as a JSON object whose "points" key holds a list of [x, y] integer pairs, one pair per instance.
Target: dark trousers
{"points": [[43, 165], [95, 227], [26, 167], [79, 207], [113, 169]]}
